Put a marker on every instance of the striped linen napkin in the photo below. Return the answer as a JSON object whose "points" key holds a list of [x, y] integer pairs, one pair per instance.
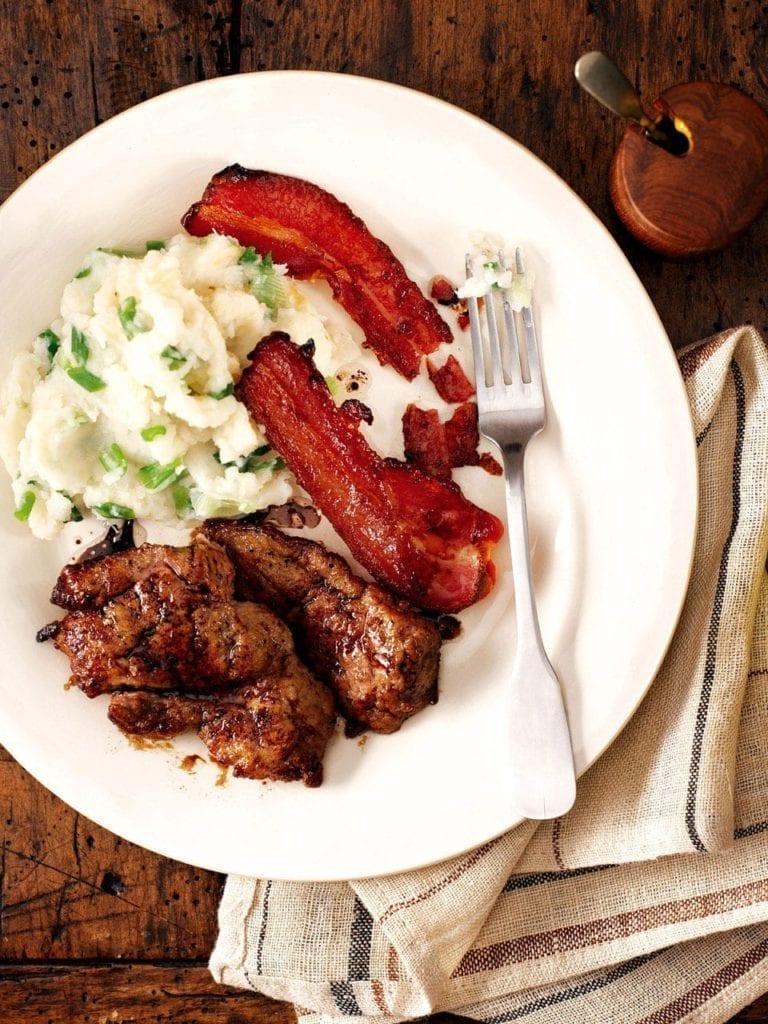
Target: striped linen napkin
{"points": [[648, 902]]}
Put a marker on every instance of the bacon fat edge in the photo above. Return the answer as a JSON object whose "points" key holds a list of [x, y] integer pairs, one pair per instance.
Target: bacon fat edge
{"points": [[417, 535], [318, 236]]}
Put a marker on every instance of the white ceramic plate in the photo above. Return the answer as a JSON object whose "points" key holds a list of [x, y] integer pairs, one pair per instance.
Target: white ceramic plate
{"points": [[611, 481]]}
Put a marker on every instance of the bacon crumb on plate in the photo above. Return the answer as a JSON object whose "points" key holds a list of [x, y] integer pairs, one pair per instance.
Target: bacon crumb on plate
{"points": [[424, 442], [490, 464], [444, 293], [450, 381], [462, 435], [436, 448]]}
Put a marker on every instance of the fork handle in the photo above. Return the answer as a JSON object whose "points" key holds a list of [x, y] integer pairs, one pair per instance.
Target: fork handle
{"points": [[528, 632], [542, 775]]}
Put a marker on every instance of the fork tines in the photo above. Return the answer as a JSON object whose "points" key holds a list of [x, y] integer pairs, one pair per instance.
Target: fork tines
{"points": [[501, 357]]}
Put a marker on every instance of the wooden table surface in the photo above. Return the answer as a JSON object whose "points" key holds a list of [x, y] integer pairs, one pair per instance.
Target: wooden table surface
{"points": [[93, 928]]}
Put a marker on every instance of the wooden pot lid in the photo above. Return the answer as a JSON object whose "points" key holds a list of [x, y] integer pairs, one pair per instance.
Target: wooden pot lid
{"points": [[688, 205]]}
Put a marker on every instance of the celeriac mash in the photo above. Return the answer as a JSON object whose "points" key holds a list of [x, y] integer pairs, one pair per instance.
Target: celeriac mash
{"points": [[492, 265], [124, 407]]}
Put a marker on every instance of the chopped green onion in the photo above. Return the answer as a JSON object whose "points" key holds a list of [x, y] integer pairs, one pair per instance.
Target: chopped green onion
{"points": [[174, 358], [82, 273], [156, 476], [126, 314], [109, 510], [113, 458], [79, 346], [208, 507], [128, 253], [252, 464], [25, 506], [246, 463], [85, 378], [79, 418], [273, 464], [75, 515], [52, 342], [224, 393], [150, 433], [333, 384], [249, 255], [154, 244], [182, 502], [267, 285]]}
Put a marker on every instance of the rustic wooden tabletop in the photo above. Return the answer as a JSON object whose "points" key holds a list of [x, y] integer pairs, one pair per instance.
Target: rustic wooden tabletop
{"points": [[93, 928]]}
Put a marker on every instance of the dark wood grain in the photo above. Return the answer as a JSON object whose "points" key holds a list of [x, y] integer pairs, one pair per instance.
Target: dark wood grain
{"points": [[71, 890], [128, 993], [67, 66], [93, 929], [512, 64]]}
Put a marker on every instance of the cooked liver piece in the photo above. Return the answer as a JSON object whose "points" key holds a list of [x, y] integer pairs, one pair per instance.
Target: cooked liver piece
{"points": [[203, 567], [379, 654], [274, 728], [159, 629]]}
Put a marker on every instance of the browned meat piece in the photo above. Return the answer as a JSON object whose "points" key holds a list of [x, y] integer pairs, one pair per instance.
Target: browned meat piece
{"points": [[155, 716], [379, 655], [202, 567], [274, 728], [158, 619], [280, 730], [157, 636]]}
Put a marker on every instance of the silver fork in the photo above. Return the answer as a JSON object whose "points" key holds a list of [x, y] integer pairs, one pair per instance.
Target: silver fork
{"points": [[511, 410]]}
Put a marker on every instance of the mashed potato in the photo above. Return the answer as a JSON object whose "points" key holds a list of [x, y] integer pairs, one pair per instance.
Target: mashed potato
{"points": [[488, 271], [124, 407]]}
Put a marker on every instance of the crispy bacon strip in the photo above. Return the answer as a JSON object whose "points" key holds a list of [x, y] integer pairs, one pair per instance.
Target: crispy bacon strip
{"points": [[417, 535], [318, 236], [450, 381]]}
